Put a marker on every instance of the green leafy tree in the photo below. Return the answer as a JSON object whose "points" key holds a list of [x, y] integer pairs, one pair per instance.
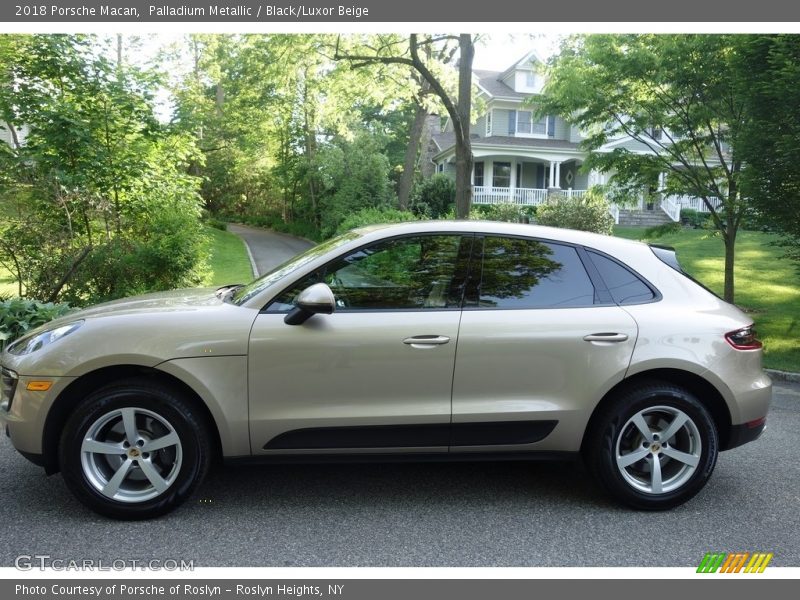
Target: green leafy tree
{"points": [[89, 192], [769, 66], [678, 97]]}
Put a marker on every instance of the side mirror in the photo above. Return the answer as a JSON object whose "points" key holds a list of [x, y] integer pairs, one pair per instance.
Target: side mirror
{"points": [[317, 298]]}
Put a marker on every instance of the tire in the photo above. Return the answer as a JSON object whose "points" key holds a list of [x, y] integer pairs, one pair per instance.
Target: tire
{"points": [[134, 450], [628, 435]]}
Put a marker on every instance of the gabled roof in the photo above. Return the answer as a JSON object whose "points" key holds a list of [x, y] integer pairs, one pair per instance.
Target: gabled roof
{"points": [[531, 56], [490, 82]]}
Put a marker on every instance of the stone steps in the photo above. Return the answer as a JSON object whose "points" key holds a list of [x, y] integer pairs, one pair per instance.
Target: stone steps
{"points": [[636, 218]]}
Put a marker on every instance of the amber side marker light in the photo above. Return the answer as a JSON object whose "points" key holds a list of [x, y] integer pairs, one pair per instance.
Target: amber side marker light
{"points": [[39, 386]]}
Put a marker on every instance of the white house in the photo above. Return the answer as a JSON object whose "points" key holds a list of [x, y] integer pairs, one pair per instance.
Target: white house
{"points": [[519, 157]]}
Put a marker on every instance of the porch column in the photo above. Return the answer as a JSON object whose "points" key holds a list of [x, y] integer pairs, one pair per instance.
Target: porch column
{"points": [[662, 177], [558, 176], [552, 178], [513, 180]]}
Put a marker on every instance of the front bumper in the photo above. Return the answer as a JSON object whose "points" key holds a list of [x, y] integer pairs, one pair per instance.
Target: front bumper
{"points": [[23, 416]]}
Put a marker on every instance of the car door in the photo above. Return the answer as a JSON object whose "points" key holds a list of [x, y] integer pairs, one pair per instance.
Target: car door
{"points": [[376, 375], [538, 345]]}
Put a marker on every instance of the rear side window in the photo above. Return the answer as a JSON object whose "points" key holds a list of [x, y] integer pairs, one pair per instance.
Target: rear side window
{"points": [[521, 273], [623, 285]]}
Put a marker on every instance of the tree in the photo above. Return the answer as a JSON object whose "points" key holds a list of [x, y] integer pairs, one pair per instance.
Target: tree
{"points": [[769, 66], [677, 96], [97, 201], [392, 49]]}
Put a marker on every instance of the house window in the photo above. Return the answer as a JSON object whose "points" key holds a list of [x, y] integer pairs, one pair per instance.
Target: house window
{"points": [[488, 123], [478, 178], [440, 168], [501, 177], [527, 126], [655, 133], [530, 79]]}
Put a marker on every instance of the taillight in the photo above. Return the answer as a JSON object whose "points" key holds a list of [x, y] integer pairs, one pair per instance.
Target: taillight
{"points": [[743, 339]]}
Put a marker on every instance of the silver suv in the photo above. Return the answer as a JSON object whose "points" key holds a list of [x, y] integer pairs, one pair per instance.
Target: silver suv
{"points": [[436, 339]]}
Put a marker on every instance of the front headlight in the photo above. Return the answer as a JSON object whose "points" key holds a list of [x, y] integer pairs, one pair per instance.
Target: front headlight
{"points": [[35, 342]]}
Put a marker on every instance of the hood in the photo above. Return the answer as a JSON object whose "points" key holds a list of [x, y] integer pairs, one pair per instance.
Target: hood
{"points": [[171, 301]]}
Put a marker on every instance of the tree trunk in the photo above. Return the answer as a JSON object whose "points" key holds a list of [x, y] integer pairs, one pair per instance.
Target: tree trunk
{"points": [[463, 144], [410, 160], [729, 237]]}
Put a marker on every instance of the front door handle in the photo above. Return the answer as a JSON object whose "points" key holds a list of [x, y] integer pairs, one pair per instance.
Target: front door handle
{"points": [[605, 337], [426, 341]]}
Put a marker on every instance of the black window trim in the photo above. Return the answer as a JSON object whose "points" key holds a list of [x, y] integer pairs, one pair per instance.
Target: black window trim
{"points": [[464, 234]]}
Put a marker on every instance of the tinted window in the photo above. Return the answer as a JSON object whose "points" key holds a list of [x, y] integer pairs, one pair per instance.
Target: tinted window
{"points": [[625, 287], [529, 274], [407, 273]]}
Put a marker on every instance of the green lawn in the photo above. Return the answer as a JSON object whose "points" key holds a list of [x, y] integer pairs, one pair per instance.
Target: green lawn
{"points": [[767, 287], [228, 262]]}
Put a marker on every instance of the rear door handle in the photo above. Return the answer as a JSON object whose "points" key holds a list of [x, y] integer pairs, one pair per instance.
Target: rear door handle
{"points": [[426, 341], [605, 337]]}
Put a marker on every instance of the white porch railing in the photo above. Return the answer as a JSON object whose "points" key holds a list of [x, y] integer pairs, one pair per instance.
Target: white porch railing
{"points": [[695, 203], [614, 210], [521, 196], [671, 207]]}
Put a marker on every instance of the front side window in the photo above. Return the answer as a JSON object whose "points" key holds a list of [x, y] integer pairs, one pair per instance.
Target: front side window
{"points": [[501, 176], [521, 273], [413, 273]]}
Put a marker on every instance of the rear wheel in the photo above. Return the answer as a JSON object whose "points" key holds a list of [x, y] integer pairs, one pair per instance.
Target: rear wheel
{"points": [[134, 451], [654, 447]]}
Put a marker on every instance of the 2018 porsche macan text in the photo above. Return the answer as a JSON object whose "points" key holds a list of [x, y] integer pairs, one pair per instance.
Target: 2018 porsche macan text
{"points": [[435, 340]]}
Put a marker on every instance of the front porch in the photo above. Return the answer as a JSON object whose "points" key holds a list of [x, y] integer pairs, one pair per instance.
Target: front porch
{"points": [[645, 212], [515, 195]]}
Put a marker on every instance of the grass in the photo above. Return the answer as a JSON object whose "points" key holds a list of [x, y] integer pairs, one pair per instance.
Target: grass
{"points": [[229, 262], [767, 286]]}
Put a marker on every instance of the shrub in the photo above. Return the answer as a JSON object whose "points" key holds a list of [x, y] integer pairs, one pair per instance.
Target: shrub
{"points": [[374, 216], [506, 211], [692, 218], [217, 224], [433, 197], [18, 316], [587, 213]]}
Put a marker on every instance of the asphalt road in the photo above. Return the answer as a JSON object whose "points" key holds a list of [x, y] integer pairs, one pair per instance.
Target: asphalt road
{"points": [[269, 248], [481, 514]]}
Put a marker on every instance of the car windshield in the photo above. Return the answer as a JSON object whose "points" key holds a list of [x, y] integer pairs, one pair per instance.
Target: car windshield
{"points": [[245, 293]]}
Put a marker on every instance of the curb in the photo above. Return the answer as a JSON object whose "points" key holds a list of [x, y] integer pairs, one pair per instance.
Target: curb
{"points": [[250, 256], [784, 375]]}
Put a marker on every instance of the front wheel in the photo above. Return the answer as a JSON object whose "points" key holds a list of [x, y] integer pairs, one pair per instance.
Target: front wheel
{"points": [[134, 451], [654, 447]]}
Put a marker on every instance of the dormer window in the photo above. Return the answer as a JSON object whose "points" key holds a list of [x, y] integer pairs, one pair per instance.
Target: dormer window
{"points": [[530, 79]]}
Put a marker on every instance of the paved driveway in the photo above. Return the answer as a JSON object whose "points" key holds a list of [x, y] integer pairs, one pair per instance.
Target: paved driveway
{"points": [[268, 248], [481, 514]]}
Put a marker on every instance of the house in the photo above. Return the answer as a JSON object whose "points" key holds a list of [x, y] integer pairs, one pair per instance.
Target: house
{"points": [[521, 158]]}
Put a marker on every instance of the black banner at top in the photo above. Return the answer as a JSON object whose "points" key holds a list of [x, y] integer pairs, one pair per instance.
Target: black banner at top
{"points": [[445, 11]]}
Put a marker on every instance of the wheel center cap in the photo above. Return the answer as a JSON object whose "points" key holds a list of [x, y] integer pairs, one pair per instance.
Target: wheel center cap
{"points": [[134, 453]]}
